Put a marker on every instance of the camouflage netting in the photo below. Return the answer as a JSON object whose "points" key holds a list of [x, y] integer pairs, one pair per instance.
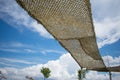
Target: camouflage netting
{"points": [[70, 22]]}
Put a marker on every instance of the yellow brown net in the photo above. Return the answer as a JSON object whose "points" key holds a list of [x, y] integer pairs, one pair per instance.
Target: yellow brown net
{"points": [[70, 22]]}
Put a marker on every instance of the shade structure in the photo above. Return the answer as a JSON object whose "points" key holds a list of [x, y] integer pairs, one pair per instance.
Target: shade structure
{"points": [[70, 22]]}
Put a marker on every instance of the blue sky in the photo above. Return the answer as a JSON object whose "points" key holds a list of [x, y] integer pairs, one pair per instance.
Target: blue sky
{"points": [[25, 46]]}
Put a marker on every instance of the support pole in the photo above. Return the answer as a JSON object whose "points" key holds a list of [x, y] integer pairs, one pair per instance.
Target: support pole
{"points": [[81, 73], [110, 75]]}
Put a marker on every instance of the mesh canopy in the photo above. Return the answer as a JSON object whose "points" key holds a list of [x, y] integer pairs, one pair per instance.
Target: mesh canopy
{"points": [[70, 22]]}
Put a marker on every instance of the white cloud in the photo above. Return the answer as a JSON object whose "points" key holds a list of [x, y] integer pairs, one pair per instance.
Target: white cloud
{"points": [[40, 29], [13, 45], [52, 51], [107, 31], [6, 64], [16, 61], [30, 50], [93, 75], [64, 68], [18, 47], [111, 61], [10, 50], [18, 50], [105, 8], [106, 16], [14, 15]]}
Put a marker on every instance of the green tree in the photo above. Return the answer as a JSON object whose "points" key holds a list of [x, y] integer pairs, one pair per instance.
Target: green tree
{"points": [[81, 73], [46, 72]]}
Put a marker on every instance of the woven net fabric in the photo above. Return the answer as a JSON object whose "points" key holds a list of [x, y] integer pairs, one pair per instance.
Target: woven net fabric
{"points": [[70, 22]]}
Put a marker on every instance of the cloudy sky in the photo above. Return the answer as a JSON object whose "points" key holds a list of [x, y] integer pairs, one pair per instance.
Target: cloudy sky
{"points": [[26, 47]]}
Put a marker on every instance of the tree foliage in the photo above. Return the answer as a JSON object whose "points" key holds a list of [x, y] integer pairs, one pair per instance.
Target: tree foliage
{"points": [[46, 72], [81, 74]]}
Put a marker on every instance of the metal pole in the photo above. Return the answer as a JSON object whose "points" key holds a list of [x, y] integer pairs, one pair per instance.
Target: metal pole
{"points": [[81, 73], [110, 75]]}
